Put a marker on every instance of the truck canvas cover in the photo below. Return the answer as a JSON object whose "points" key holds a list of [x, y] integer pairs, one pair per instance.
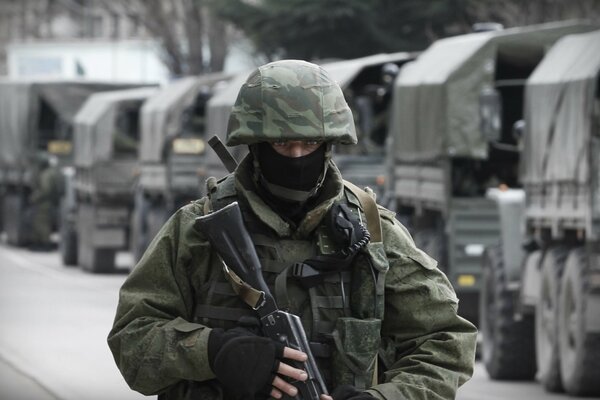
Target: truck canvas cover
{"points": [[559, 128], [435, 110], [343, 72], [161, 113], [220, 105], [95, 124], [20, 111]]}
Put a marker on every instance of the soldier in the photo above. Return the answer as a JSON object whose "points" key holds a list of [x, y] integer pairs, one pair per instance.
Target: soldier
{"points": [[382, 322], [44, 199]]}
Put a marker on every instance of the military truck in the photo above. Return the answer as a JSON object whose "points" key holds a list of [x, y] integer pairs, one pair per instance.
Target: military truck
{"points": [[366, 83], [447, 151], [218, 109], [540, 303], [106, 133], [36, 118], [172, 154]]}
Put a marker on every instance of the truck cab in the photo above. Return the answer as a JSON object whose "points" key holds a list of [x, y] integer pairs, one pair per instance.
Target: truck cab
{"points": [[106, 133], [173, 154]]}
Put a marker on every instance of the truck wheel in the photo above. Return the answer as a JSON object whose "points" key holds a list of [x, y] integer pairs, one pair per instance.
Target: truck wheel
{"points": [[91, 258], [68, 238], [546, 319], [508, 344], [157, 216], [139, 227], [2, 195], [99, 261], [17, 219], [68, 246], [579, 349]]}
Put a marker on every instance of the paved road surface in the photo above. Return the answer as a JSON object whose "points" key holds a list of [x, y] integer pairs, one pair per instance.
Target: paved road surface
{"points": [[54, 322], [54, 326]]}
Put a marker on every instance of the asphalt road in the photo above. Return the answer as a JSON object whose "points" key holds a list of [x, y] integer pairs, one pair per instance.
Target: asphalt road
{"points": [[54, 323]]}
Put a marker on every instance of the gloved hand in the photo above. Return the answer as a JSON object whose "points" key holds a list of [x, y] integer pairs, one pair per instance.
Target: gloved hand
{"points": [[244, 362], [349, 392]]}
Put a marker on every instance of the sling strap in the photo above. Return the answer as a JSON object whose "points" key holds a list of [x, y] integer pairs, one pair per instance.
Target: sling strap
{"points": [[370, 210]]}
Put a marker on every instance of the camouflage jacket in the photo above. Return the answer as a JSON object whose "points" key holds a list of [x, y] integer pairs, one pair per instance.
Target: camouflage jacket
{"points": [[160, 333]]}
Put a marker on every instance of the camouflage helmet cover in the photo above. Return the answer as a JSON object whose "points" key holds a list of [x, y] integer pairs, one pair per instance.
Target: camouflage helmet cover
{"points": [[290, 100]]}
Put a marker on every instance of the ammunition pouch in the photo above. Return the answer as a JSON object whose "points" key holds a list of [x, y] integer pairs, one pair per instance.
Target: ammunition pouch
{"points": [[354, 356]]}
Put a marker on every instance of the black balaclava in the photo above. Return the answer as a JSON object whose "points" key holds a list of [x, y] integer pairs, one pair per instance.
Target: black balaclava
{"points": [[289, 182], [296, 173]]}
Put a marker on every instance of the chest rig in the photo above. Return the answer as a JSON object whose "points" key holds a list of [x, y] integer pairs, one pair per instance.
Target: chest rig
{"points": [[340, 310]]}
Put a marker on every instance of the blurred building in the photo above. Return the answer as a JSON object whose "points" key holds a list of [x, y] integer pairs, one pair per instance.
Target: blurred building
{"points": [[75, 39], [90, 39], [114, 61]]}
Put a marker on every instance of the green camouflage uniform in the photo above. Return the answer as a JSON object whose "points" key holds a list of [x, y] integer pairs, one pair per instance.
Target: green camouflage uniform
{"points": [[45, 198], [178, 292]]}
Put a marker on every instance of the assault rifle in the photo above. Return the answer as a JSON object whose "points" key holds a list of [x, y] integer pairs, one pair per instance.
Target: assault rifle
{"points": [[226, 232]]}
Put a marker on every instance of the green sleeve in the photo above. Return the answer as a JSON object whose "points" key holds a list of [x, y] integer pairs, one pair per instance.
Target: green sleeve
{"points": [[428, 351], [152, 341]]}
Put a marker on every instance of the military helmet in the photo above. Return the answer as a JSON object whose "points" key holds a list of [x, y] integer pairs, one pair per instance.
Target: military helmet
{"points": [[290, 100]]}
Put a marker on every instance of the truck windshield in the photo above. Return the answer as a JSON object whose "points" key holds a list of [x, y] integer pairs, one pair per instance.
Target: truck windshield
{"points": [[127, 132]]}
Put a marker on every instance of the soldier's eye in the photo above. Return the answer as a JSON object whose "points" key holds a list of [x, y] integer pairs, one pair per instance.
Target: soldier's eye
{"points": [[279, 143], [312, 142]]}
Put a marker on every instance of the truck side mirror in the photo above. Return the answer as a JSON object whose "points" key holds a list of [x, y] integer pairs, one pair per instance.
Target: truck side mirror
{"points": [[518, 130]]}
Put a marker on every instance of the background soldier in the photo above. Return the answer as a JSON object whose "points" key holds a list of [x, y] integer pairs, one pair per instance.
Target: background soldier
{"points": [[45, 198], [381, 317]]}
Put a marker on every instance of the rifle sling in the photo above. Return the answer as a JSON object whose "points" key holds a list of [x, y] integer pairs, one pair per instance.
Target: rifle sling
{"points": [[370, 210], [247, 293]]}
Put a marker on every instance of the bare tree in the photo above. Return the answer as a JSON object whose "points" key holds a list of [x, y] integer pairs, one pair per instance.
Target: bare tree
{"points": [[184, 29], [218, 40], [525, 12]]}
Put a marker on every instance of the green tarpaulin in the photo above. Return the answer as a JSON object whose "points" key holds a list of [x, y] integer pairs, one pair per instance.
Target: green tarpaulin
{"points": [[161, 114], [435, 110], [20, 111], [95, 123], [560, 98]]}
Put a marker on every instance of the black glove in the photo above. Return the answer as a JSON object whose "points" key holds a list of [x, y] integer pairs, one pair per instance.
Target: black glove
{"points": [[349, 392], [246, 326], [244, 362]]}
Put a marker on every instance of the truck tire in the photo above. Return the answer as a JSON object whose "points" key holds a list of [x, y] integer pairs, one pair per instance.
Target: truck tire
{"points": [[139, 226], [546, 319], [68, 238], [579, 349], [68, 246], [91, 258], [2, 195], [17, 219], [99, 261], [508, 344], [157, 216]]}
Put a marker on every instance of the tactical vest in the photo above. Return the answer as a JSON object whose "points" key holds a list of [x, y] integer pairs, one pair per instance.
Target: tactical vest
{"points": [[341, 311]]}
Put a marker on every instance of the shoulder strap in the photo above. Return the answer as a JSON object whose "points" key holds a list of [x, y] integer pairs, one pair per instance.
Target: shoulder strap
{"points": [[370, 208]]}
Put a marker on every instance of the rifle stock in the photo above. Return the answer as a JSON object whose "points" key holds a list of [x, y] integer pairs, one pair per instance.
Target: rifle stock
{"points": [[226, 232]]}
